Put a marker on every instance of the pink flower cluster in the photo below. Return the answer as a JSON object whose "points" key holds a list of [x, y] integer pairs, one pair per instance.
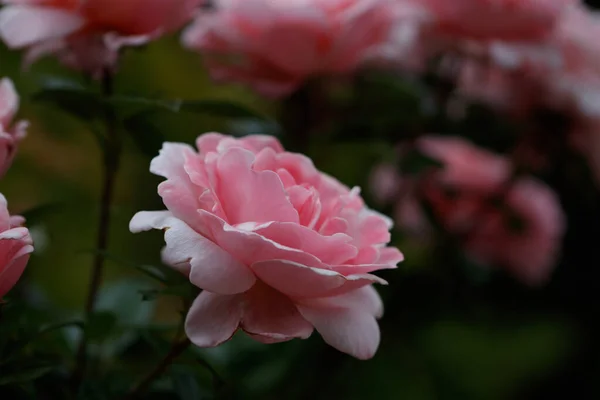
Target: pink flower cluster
{"points": [[15, 241], [279, 248], [514, 223], [87, 34]]}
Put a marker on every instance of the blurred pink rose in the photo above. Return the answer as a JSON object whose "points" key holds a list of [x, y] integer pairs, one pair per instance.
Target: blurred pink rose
{"points": [[465, 165], [278, 247], [275, 45], [15, 247], [516, 224], [87, 34], [528, 250], [10, 135], [523, 235], [511, 20]]}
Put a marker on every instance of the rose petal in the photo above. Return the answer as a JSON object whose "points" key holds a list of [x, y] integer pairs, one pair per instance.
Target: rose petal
{"points": [[297, 280], [249, 247], [349, 329], [331, 250], [248, 195], [213, 318], [209, 267], [271, 317], [22, 26]]}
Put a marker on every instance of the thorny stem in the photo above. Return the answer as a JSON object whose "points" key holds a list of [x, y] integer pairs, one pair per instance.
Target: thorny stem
{"points": [[111, 156]]}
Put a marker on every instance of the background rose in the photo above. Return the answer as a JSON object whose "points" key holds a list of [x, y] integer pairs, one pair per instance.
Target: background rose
{"points": [[15, 247], [276, 45], [516, 224], [277, 246], [76, 29], [10, 134]]}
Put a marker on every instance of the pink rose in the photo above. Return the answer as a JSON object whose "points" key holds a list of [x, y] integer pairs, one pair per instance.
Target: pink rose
{"points": [[15, 247], [475, 177], [529, 251], [87, 34], [10, 135], [278, 247], [276, 45], [512, 20]]}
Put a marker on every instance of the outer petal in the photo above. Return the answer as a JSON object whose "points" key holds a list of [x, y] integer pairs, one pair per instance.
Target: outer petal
{"points": [[346, 324], [248, 195], [209, 267], [213, 318], [179, 193], [271, 317], [22, 26]]}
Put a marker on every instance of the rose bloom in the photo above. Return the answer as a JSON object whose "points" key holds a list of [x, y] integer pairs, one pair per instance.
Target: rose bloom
{"points": [[10, 135], [278, 247], [522, 235], [87, 34], [275, 45], [15, 247], [510, 20]]}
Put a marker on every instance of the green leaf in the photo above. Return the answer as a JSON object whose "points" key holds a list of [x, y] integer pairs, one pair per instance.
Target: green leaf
{"points": [[220, 108], [26, 375], [123, 299], [100, 325], [185, 290], [72, 98], [147, 137], [141, 104], [416, 162], [186, 386]]}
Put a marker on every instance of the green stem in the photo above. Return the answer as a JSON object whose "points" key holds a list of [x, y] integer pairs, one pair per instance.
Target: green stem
{"points": [[111, 157]]}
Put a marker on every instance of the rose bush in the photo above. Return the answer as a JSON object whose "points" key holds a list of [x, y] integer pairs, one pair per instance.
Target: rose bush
{"points": [[278, 247]]}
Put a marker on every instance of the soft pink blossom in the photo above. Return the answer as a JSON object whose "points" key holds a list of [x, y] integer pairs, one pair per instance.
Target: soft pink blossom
{"points": [[511, 20], [15, 247], [278, 247], [87, 34], [10, 134], [275, 45]]}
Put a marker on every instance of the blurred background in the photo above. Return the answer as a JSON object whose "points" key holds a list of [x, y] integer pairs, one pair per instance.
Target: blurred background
{"points": [[451, 330]]}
